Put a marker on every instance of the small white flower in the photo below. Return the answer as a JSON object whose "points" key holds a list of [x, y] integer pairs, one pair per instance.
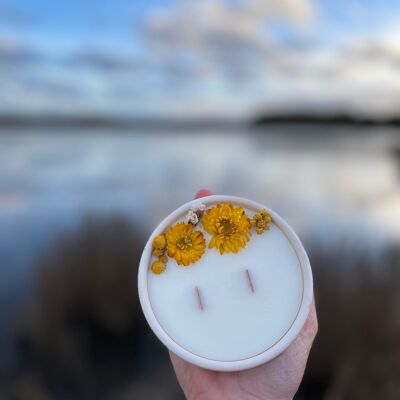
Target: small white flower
{"points": [[199, 206], [195, 212], [192, 217]]}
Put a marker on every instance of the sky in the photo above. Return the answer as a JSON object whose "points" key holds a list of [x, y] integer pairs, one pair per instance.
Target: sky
{"points": [[202, 58]]}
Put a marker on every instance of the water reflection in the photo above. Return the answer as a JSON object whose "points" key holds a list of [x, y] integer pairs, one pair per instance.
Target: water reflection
{"points": [[313, 177]]}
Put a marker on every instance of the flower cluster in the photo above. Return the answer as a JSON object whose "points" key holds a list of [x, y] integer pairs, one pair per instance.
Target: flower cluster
{"points": [[261, 221], [229, 227], [159, 247], [182, 243]]}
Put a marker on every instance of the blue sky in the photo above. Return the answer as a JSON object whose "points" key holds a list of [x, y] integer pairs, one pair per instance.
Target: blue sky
{"points": [[199, 57]]}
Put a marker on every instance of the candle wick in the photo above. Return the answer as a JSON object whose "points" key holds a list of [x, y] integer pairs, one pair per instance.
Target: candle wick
{"points": [[199, 299], [250, 280]]}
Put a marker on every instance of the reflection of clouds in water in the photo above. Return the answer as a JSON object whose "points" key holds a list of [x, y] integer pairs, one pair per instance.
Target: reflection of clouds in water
{"points": [[385, 214], [327, 181]]}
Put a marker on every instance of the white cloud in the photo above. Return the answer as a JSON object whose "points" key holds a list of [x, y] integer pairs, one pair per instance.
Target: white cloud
{"points": [[297, 11], [220, 37], [13, 52]]}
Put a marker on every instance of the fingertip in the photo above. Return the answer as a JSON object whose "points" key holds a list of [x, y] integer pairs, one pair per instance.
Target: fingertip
{"points": [[203, 193]]}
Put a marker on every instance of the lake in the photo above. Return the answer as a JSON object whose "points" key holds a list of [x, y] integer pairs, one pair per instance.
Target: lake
{"points": [[325, 181]]}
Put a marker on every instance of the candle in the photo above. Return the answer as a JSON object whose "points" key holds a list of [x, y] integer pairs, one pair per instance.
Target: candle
{"points": [[228, 311]]}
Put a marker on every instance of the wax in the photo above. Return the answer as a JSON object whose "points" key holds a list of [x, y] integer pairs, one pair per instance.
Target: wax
{"points": [[236, 321]]}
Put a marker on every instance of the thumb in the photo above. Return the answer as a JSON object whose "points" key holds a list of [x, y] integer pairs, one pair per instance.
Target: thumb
{"points": [[203, 193]]}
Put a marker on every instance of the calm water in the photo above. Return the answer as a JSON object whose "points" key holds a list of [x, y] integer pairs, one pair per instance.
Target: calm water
{"points": [[328, 183]]}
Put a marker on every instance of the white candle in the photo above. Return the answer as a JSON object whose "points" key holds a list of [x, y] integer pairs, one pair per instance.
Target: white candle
{"points": [[230, 311]]}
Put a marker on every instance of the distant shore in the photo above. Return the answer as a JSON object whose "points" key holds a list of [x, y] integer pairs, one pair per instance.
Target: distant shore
{"points": [[331, 119], [114, 122], [98, 122]]}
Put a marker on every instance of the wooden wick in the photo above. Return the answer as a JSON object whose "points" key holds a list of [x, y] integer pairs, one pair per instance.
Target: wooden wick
{"points": [[249, 280], [199, 300]]}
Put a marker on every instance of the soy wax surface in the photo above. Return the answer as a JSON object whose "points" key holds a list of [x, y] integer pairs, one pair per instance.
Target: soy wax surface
{"points": [[235, 322]]}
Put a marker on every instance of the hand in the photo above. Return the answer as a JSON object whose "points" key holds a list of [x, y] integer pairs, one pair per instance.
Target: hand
{"points": [[278, 379]]}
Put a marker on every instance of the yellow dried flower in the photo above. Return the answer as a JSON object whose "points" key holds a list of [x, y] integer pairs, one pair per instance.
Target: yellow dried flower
{"points": [[163, 259], [229, 227], [159, 242], [185, 244], [158, 267], [261, 221], [158, 252]]}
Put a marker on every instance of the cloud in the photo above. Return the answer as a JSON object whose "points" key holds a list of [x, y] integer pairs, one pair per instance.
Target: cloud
{"points": [[296, 11], [370, 67], [103, 60], [51, 87], [14, 53], [220, 37], [381, 50]]}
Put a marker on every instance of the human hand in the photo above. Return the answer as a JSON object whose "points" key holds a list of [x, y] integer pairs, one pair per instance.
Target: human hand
{"points": [[278, 379]]}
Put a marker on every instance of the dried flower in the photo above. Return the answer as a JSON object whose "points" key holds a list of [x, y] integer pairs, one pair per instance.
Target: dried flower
{"points": [[261, 221], [195, 213], [158, 252], [158, 267], [192, 217], [199, 206], [163, 259], [184, 244], [159, 242], [229, 227]]}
